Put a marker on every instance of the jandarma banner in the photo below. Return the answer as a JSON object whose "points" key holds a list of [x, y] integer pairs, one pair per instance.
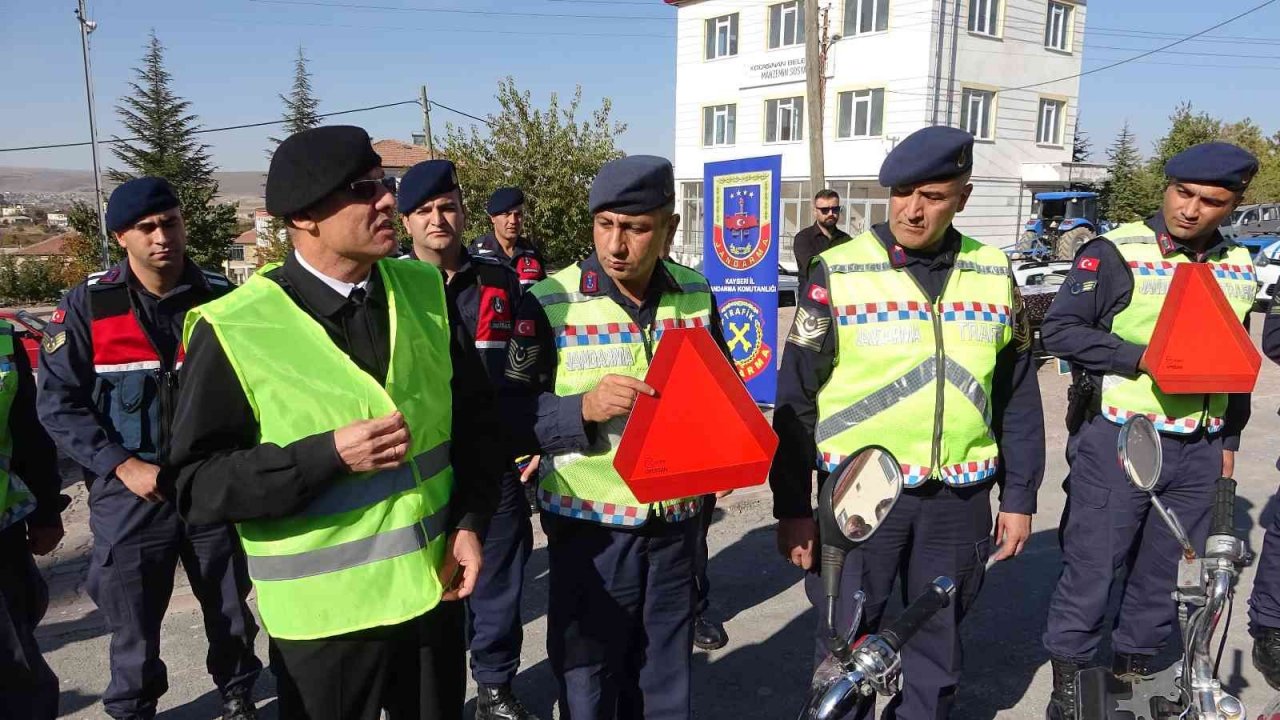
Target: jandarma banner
{"points": [[741, 262]]}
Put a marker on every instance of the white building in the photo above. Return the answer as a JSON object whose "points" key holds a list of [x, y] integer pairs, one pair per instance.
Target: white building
{"points": [[58, 221], [993, 68]]}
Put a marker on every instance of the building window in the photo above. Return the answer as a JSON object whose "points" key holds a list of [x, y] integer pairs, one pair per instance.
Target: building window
{"points": [[984, 17], [1057, 27], [975, 112], [722, 36], [865, 16], [861, 114], [691, 217], [786, 24], [1049, 129], [784, 120], [719, 125]]}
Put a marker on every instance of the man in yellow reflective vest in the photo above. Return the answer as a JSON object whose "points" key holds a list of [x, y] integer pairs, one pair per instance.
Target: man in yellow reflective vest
{"points": [[620, 617], [1101, 321], [328, 410], [910, 336]]}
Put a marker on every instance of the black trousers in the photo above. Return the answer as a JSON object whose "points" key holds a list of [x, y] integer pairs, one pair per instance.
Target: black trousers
{"points": [[415, 670], [28, 688]]}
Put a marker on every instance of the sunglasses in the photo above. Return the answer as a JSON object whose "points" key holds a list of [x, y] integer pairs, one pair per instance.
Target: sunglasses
{"points": [[368, 189], [829, 210]]}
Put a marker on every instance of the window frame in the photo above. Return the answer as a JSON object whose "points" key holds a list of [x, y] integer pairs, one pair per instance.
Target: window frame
{"points": [[1067, 12], [797, 115], [857, 7], [711, 31], [1060, 124], [796, 7], [967, 94], [993, 14], [870, 99], [731, 124]]}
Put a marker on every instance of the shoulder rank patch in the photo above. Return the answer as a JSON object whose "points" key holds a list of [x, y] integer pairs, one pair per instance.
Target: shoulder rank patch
{"points": [[53, 343], [1079, 288], [521, 362], [809, 329], [1021, 323]]}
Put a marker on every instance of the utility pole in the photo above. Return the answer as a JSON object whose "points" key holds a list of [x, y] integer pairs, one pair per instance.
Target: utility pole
{"points": [[814, 52], [426, 120], [87, 26]]}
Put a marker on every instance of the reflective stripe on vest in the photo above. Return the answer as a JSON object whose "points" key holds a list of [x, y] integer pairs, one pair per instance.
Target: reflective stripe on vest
{"points": [[933, 359], [374, 539], [1124, 397], [595, 337]]}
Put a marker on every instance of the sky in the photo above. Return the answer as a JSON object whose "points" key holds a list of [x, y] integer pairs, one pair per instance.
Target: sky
{"points": [[232, 58]]}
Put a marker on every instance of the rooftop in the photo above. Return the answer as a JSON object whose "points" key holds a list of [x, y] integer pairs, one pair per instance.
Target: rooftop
{"points": [[397, 154]]}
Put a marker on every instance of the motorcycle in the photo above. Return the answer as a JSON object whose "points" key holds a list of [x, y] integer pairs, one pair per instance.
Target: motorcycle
{"points": [[1189, 688], [852, 505]]}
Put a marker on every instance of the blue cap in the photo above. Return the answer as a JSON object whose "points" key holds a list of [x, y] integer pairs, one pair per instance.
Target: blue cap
{"points": [[504, 199], [137, 199], [1214, 163], [633, 185], [933, 153], [423, 182]]}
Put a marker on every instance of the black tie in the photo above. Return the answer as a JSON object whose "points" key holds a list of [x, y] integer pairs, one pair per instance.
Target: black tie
{"points": [[357, 296]]}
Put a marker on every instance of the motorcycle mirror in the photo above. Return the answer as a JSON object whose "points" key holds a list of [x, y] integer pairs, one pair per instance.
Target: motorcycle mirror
{"points": [[858, 496], [1140, 452]]}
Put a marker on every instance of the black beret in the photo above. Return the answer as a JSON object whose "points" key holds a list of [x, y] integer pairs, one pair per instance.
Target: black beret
{"points": [[137, 199], [633, 185], [423, 182], [1214, 163], [504, 199], [311, 164], [933, 153]]}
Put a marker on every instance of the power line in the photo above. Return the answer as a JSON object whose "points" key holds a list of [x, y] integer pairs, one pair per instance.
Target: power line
{"points": [[442, 106], [501, 13]]}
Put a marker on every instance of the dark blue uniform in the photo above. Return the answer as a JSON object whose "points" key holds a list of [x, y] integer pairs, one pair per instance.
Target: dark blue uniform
{"points": [[606, 581], [526, 259], [1107, 523], [486, 292], [107, 382], [931, 523], [1264, 603]]}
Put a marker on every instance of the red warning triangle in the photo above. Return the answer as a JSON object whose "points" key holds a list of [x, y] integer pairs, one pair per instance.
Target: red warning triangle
{"points": [[1199, 345], [703, 433]]}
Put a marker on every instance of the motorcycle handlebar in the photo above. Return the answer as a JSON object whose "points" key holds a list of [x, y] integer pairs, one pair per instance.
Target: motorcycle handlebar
{"points": [[936, 597], [1224, 508]]}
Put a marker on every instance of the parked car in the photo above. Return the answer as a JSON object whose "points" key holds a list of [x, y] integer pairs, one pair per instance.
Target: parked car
{"points": [[30, 331], [1038, 281], [1262, 219], [1267, 263]]}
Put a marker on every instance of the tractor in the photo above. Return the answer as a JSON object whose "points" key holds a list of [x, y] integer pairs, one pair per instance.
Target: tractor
{"points": [[1060, 223]]}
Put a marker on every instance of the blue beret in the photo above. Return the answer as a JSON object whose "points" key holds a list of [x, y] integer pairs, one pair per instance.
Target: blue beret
{"points": [[423, 182], [504, 199], [633, 185], [137, 199], [1214, 163], [933, 153], [311, 164]]}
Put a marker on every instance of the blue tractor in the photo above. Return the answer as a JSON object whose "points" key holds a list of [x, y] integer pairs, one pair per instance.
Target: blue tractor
{"points": [[1060, 223]]}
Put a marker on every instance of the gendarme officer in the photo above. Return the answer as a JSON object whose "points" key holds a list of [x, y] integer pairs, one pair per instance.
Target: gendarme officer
{"points": [[505, 243], [485, 291], [913, 320], [108, 385], [1101, 321], [620, 623]]}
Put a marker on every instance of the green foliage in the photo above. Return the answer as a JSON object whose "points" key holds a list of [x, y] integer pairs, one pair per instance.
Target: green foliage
{"points": [[168, 147], [31, 279], [1186, 128], [301, 106], [1131, 191], [86, 250], [549, 153]]}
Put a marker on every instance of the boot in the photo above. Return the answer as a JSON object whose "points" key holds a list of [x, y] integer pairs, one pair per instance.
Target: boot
{"points": [[1062, 702], [497, 702], [708, 634], [1266, 655], [238, 705], [1130, 666]]}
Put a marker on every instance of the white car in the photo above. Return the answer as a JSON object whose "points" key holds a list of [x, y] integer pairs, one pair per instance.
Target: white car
{"points": [[1267, 262]]}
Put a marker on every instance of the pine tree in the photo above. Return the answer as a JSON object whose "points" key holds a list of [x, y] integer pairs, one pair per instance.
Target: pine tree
{"points": [[1129, 193], [167, 146], [1081, 145], [301, 112]]}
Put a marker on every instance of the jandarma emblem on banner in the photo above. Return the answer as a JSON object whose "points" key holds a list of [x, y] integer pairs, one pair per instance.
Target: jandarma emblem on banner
{"points": [[744, 333], [742, 219]]}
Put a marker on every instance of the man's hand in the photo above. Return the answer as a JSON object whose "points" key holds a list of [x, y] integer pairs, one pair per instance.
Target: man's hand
{"points": [[530, 470], [796, 540], [140, 478], [613, 397], [377, 444], [462, 560], [42, 539], [1228, 463], [1012, 531]]}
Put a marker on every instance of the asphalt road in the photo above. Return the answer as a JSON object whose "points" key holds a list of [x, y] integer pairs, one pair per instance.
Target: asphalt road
{"points": [[764, 670]]}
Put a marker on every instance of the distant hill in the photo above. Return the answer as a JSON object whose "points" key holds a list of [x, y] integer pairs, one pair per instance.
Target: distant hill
{"points": [[244, 188]]}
